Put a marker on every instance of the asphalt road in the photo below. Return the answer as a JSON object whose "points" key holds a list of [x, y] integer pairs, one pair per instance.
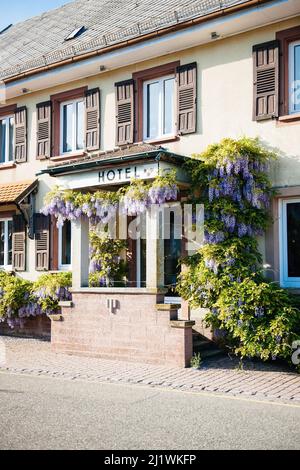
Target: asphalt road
{"points": [[47, 413]]}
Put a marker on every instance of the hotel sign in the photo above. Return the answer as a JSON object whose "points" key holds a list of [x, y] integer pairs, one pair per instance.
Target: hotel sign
{"points": [[118, 175], [126, 174]]}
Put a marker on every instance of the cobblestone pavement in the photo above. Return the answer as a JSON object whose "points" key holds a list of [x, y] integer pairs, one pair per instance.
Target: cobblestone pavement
{"points": [[222, 375]]}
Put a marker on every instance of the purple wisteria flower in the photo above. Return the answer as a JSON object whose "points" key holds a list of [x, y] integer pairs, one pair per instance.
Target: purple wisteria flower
{"points": [[278, 339], [213, 238], [229, 222], [135, 206], [212, 265], [211, 193], [230, 261], [229, 167], [162, 194], [95, 266], [221, 171], [242, 230], [259, 312], [219, 333]]}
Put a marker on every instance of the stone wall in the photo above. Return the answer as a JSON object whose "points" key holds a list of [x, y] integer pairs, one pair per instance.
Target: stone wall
{"points": [[123, 325], [37, 327]]}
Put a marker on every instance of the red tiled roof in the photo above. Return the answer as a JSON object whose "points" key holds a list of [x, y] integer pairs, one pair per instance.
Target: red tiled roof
{"points": [[14, 192], [133, 149]]}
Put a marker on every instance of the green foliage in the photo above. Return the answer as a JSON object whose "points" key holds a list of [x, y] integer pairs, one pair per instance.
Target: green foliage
{"points": [[252, 316], [77, 198], [49, 289], [196, 361], [107, 266], [14, 293], [218, 154], [167, 178], [137, 189], [259, 319], [20, 299]]}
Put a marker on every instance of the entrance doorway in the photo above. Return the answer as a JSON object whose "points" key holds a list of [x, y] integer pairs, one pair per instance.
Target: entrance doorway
{"points": [[141, 247]]}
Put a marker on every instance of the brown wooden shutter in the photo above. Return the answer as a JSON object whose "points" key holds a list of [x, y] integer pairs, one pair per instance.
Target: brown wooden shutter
{"points": [[42, 242], [20, 135], [54, 242], [186, 76], [92, 119], [266, 80], [44, 118], [19, 243], [125, 112]]}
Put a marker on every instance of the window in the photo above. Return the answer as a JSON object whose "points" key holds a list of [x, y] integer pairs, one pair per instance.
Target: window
{"points": [[75, 33], [5, 243], [6, 139], [289, 74], [290, 243], [72, 135], [294, 77], [159, 108], [65, 246]]}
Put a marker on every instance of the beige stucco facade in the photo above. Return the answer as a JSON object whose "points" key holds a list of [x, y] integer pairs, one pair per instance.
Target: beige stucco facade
{"points": [[225, 104]]}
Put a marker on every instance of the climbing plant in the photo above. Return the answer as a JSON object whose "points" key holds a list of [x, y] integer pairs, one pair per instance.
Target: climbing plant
{"points": [[101, 206], [21, 299], [107, 267], [253, 316]]}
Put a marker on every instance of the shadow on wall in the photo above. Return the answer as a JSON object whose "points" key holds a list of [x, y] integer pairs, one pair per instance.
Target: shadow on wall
{"points": [[285, 169]]}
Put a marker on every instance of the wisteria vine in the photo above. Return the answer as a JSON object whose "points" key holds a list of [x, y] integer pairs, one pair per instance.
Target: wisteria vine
{"points": [[21, 299], [239, 195], [250, 314], [107, 267], [101, 206]]}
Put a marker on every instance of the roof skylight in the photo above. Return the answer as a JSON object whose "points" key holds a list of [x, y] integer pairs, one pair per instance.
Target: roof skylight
{"points": [[5, 29], [75, 33]]}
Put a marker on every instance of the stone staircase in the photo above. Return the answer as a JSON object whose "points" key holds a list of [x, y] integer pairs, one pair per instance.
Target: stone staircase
{"points": [[207, 348]]}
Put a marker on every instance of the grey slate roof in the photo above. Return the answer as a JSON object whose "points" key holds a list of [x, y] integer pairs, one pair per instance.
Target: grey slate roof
{"points": [[133, 149], [41, 40]]}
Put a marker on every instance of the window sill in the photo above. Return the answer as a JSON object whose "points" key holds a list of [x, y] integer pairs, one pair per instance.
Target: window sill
{"points": [[290, 118], [69, 156], [65, 269], [59, 271], [7, 166], [162, 140], [291, 289]]}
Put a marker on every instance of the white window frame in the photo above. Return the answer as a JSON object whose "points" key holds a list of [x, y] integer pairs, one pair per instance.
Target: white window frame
{"points": [[138, 262], [6, 265], [61, 266], [6, 156], [292, 90], [285, 280], [74, 127], [160, 81]]}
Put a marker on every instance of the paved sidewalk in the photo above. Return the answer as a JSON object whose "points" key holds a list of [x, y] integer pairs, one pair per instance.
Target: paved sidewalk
{"points": [[267, 381]]}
